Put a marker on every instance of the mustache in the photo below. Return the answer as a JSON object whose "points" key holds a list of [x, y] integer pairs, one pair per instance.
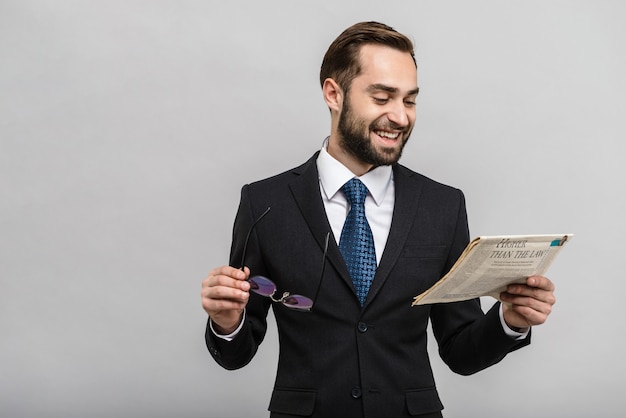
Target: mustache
{"points": [[388, 125]]}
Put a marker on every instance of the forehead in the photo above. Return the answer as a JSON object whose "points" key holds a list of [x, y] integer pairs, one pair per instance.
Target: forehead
{"points": [[384, 65]]}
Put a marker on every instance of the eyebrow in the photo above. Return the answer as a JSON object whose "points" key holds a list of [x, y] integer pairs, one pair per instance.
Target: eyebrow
{"points": [[383, 87]]}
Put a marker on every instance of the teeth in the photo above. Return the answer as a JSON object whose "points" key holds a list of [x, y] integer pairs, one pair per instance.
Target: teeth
{"points": [[387, 134]]}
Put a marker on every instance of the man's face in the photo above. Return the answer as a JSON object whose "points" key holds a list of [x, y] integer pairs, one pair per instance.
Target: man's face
{"points": [[378, 113]]}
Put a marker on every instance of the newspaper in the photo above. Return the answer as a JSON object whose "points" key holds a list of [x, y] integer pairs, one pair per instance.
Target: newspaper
{"points": [[489, 264]]}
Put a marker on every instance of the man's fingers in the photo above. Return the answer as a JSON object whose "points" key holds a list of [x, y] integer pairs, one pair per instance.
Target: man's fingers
{"points": [[225, 289], [534, 304], [530, 303], [540, 282], [537, 287], [214, 305], [225, 292], [230, 271], [525, 317], [227, 276], [539, 300]]}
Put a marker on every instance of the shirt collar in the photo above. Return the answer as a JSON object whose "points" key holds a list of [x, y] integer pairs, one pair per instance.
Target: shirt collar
{"points": [[333, 175]]}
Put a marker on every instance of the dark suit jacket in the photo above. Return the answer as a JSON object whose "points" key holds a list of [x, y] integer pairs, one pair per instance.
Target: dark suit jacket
{"points": [[341, 360]]}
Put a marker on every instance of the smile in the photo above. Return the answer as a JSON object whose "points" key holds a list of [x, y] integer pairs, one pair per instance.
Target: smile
{"points": [[387, 135]]}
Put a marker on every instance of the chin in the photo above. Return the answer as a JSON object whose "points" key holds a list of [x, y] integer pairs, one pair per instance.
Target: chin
{"points": [[388, 156]]}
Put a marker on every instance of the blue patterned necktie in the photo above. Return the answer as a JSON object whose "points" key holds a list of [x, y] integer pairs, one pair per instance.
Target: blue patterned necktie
{"points": [[357, 243]]}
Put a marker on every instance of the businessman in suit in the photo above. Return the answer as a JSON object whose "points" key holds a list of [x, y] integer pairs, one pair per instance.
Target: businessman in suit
{"points": [[346, 240]]}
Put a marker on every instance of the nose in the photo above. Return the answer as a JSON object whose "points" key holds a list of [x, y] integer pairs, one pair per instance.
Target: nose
{"points": [[399, 114]]}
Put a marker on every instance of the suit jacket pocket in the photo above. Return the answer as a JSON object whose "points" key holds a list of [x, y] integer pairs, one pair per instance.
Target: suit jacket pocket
{"points": [[423, 401], [425, 251], [299, 402]]}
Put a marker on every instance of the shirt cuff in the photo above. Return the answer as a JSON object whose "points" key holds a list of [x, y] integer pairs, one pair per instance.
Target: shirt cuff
{"points": [[232, 335], [511, 333]]}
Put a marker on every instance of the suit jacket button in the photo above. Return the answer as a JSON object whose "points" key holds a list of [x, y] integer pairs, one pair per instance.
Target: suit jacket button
{"points": [[214, 351], [362, 327], [356, 393]]}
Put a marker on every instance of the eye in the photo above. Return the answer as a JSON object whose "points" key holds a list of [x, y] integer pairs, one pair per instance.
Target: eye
{"points": [[409, 103], [380, 100]]}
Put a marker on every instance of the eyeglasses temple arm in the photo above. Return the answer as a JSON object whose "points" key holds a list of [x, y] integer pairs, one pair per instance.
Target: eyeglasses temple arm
{"points": [[319, 285], [245, 245]]}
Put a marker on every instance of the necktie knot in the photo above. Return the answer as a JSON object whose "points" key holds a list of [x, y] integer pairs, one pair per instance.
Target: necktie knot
{"points": [[355, 191]]}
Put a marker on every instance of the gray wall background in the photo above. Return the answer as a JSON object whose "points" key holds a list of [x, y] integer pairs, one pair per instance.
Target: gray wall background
{"points": [[128, 127]]}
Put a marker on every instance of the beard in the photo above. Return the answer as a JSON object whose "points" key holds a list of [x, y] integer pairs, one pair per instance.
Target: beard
{"points": [[355, 138]]}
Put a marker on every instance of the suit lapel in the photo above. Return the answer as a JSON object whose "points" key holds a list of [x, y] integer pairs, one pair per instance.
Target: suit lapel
{"points": [[305, 188], [407, 193]]}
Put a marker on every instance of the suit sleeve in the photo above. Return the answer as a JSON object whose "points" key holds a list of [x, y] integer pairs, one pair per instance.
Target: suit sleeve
{"points": [[240, 350], [469, 340]]}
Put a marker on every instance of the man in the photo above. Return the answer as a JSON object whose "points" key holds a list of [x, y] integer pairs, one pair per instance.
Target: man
{"points": [[361, 349]]}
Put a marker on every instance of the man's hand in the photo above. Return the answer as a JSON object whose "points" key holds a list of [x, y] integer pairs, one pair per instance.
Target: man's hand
{"points": [[528, 304], [225, 294]]}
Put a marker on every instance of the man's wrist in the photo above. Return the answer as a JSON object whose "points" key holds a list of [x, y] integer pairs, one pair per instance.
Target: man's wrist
{"points": [[513, 332], [518, 329], [222, 333]]}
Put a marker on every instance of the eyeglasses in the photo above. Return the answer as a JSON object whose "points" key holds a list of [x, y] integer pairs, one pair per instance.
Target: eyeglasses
{"points": [[265, 287]]}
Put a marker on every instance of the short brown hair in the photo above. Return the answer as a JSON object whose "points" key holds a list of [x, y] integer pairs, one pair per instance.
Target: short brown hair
{"points": [[342, 60]]}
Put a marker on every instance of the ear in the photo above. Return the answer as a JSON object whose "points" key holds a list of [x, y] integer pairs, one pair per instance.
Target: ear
{"points": [[333, 95]]}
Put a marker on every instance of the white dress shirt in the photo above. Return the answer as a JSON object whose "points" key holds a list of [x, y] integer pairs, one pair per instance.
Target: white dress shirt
{"points": [[378, 203]]}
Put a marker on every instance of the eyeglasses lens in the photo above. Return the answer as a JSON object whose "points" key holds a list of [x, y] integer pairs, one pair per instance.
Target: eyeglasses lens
{"points": [[265, 287], [262, 286], [298, 302]]}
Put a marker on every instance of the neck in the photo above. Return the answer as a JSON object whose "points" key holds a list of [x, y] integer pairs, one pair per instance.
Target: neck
{"points": [[345, 157]]}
